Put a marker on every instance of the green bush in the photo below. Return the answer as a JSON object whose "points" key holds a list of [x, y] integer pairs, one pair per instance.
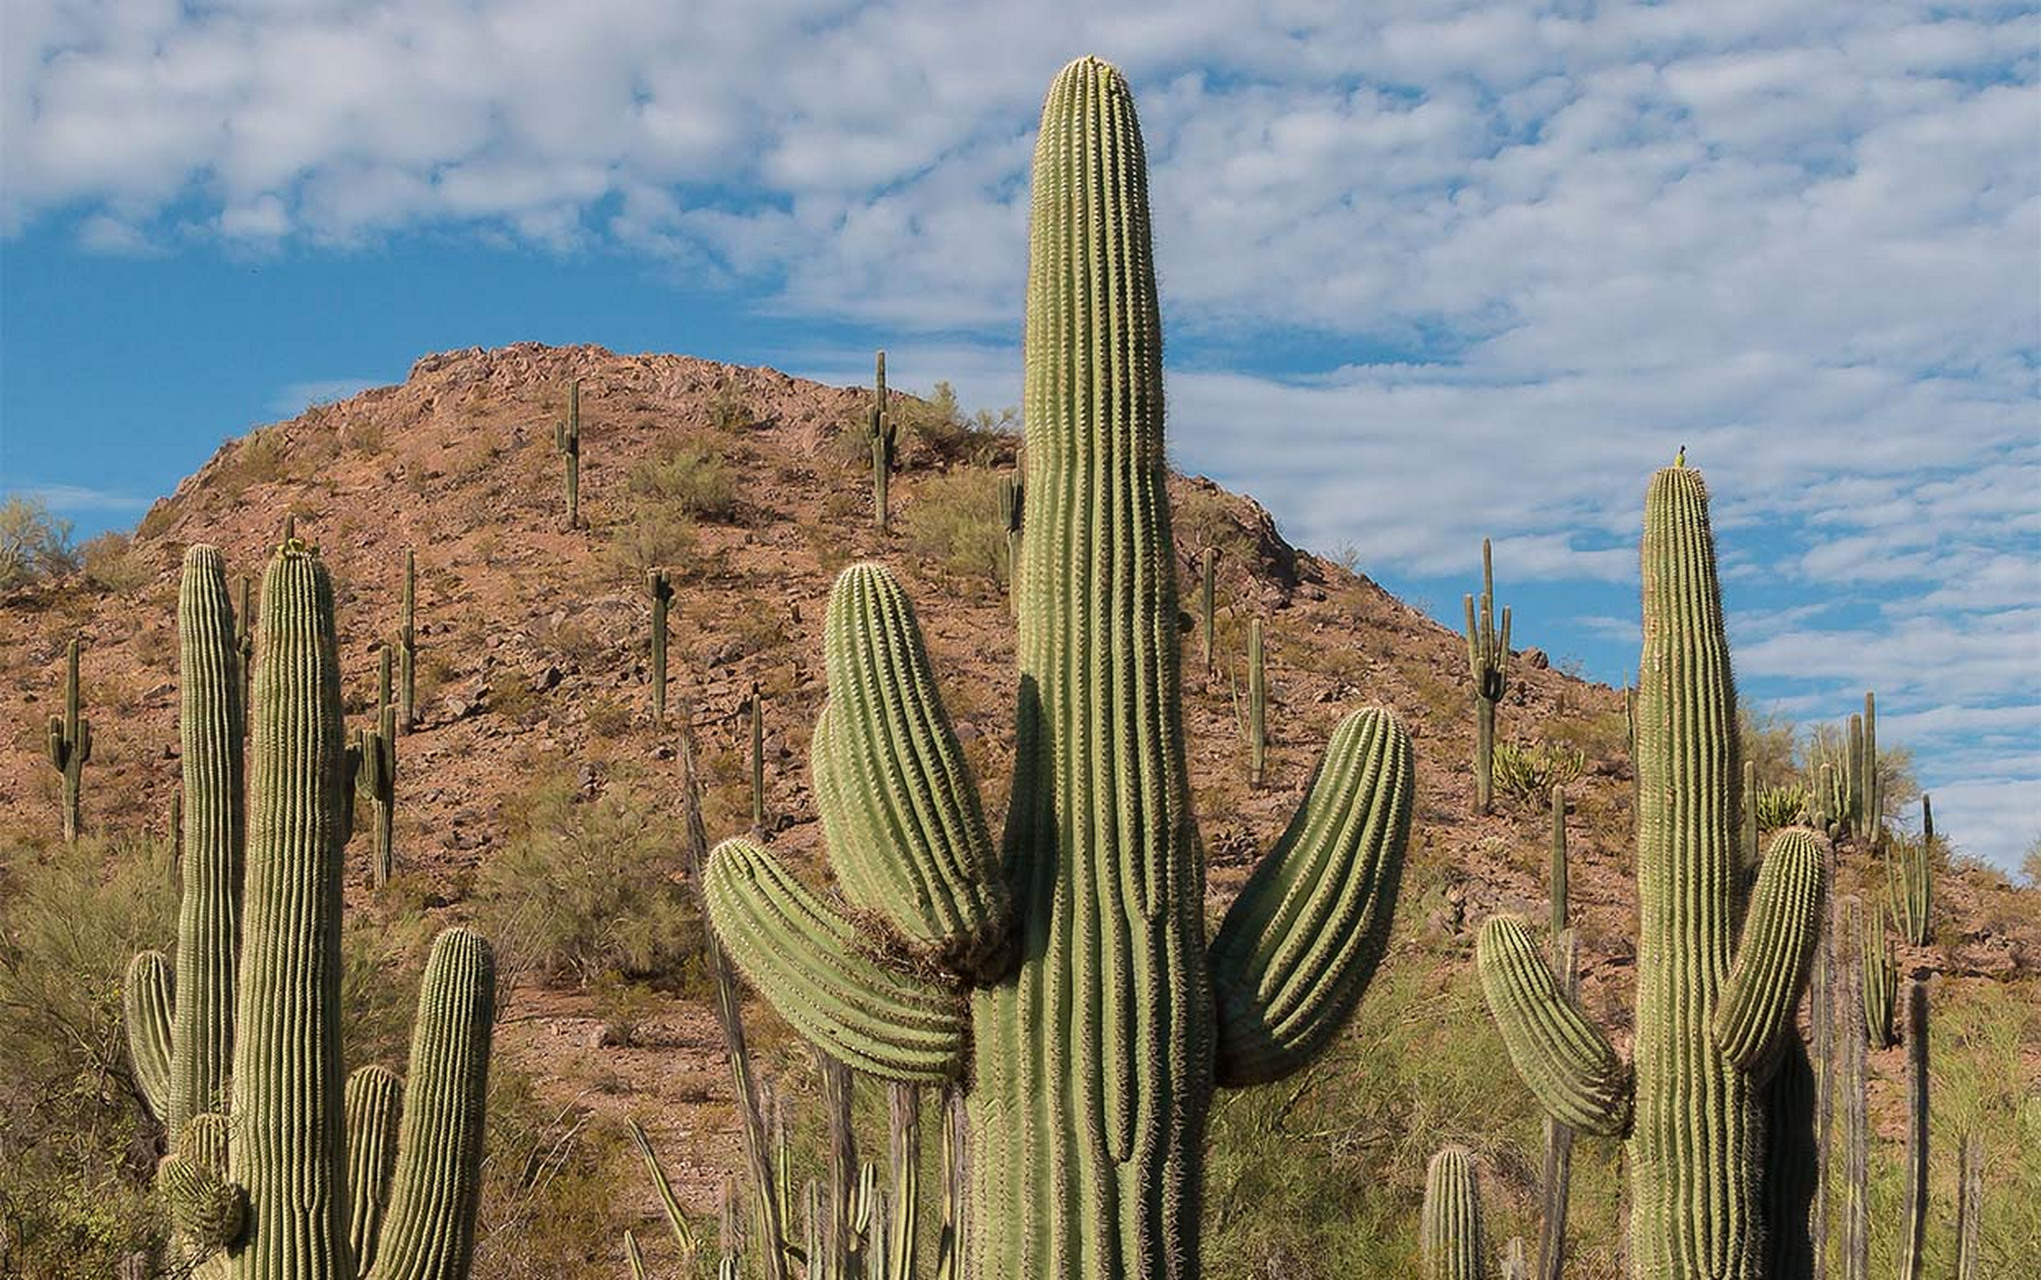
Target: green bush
{"points": [[954, 519], [112, 565], [696, 481], [655, 538], [73, 1142], [33, 543], [585, 888]]}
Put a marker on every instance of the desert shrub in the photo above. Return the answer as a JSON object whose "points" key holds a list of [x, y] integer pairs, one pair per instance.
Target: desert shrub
{"points": [[260, 459], [954, 519], [940, 427], [34, 544], [550, 1181], [1780, 806], [655, 537], [77, 1150], [584, 887], [1532, 771], [607, 717], [728, 410], [112, 565], [695, 481]]}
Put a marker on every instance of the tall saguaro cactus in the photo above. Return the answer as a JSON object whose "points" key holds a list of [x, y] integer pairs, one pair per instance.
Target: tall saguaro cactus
{"points": [[69, 742], [1065, 980], [274, 1174], [1916, 1167], [407, 645], [1488, 662], [376, 764], [1717, 978], [1257, 727], [1557, 1180], [659, 589], [567, 443], [1909, 869], [882, 437]]}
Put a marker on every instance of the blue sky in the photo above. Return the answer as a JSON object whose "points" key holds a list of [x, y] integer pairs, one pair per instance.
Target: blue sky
{"points": [[1431, 270]]}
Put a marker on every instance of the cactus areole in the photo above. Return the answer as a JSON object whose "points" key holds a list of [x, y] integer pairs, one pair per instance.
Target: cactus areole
{"points": [[1064, 980]]}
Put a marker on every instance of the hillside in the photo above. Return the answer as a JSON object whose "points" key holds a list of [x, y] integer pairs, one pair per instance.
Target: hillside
{"points": [[533, 667]]}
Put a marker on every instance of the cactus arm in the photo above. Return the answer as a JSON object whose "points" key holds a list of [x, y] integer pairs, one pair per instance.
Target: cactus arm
{"points": [[208, 1210], [429, 1232], [212, 731], [1301, 942], [1777, 951], [900, 810], [1565, 1061], [375, 1105], [683, 1234], [803, 957], [147, 1005], [1449, 1225]]}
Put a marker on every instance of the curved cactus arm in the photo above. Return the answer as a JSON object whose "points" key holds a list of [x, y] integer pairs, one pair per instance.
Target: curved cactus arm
{"points": [[901, 812], [1449, 1225], [148, 1004], [676, 1220], [1565, 1060], [375, 1102], [803, 957], [1301, 942], [429, 1233], [1777, 950]]}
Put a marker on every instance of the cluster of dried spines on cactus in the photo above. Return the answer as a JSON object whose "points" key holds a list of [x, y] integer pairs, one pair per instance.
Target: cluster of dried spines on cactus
{"points": [[1068, 966], [1719, 973], [278, 1169]]}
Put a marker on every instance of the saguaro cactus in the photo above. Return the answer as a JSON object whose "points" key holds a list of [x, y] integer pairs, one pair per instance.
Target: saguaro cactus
{"points": [[1558, 1171], [1870, 796], [376, 776], [1449, 1228], [567, 443], [1207, 600], [407, 645], [1915, 1168], [295, 1181], [244, 648], [659, 589], [1069, 970], [1012, 510], [1969, 1204], [881, 436], [1257, 725], [1909, 870], [1488, 662], [1856, 1145], [70, 743], [1880, 978], [1711, 1005]]}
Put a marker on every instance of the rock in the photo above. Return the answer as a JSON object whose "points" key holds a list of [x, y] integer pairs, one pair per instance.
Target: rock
{"points": [[1535, 659], [547, 680]]}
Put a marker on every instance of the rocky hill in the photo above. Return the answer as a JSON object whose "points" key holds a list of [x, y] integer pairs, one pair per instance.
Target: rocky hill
{"points": [[533, 659]]}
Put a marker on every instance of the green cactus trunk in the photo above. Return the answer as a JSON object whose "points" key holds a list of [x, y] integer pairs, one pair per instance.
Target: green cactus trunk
{"points": [[881, 436], [1207, 601], [1257, 706], [659, 588], [1488, 663], [407, 645], [567, 441], [1449, 1229], [1871, 815], [1856, 1144], [1915, 1169], [1556, 1182], [1969, 1204]]}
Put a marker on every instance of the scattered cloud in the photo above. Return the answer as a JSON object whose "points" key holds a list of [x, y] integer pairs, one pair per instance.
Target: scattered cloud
{"points": [[74, 498]]}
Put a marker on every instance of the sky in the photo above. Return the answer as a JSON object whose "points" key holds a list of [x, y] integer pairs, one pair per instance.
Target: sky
{"points": [[1431, 271]]}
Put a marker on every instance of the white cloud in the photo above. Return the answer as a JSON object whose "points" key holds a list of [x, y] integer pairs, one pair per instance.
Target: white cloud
{"points": [[1523, 251]]}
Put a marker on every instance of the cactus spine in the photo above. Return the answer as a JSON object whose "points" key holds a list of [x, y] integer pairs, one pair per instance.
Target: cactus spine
{"points": [[1488, 662], [70, 743], [567, 443], [1450, 1223], [1909, 870], [1711, 1006], [882, 437], [376, 775], [1915, 1168], [1094, 1018], [292, 1136], [407, 645], [659, 588], [1554, 1186]]}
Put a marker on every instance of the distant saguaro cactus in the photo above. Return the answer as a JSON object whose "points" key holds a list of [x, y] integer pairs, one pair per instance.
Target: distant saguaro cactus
{"points": [[376, 774], [1556, 1183], [280, 1170], [1870, 818], [69, 744], [882, 439], [1880, 977], [1488, 662], [659, 589], [1070, 969], [1915, 1169], [567, 443], [1909, 871], [407, 645], [1207, 600], [1718, 974], [1012, 510], [1257, 726]]}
